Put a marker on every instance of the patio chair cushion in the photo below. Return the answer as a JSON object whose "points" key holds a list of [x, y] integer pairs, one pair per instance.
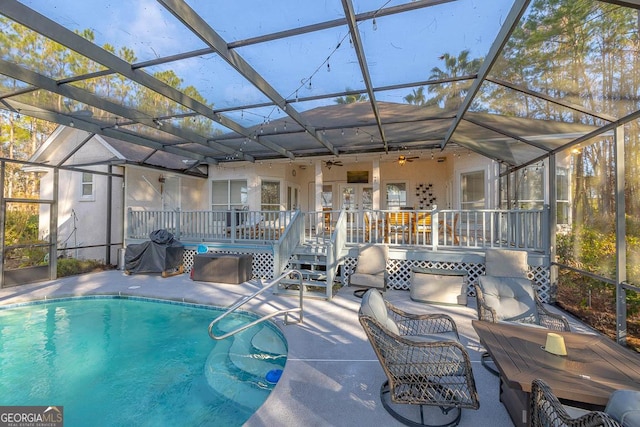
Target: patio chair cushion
{"points": [[373, 305], [506, 263], [372, 259], [438, 286], [624, 406], [512, 298], [367, 280], [443, 336]]}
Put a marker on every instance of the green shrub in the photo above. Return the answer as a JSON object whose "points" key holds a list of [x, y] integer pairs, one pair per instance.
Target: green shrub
{"points": [[72, 266], [591, 249]]}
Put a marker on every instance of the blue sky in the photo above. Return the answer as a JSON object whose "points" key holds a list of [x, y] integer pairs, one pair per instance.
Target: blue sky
{"points": [[401, 48]]}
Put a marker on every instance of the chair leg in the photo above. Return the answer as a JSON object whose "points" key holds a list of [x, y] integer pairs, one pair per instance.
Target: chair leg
{"points": [[385, 398], [359, 293]]}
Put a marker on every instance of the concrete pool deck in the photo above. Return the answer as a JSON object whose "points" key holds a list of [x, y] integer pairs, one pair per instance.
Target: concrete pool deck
{"points": [[332, 376]]}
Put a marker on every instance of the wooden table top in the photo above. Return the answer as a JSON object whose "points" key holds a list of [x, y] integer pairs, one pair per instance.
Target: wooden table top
{"points": [[594, 367]]}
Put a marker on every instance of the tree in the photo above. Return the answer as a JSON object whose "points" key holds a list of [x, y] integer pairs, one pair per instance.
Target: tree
{"points": [[449, 95], [21, 136], [416, 97], [350, 99]]}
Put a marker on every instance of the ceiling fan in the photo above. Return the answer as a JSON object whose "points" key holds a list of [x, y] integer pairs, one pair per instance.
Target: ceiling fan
{"points": [[402, 159], [329, 163]]}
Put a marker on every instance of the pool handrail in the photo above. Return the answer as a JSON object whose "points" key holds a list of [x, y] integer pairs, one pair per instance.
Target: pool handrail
{"points": [[239, 303]]}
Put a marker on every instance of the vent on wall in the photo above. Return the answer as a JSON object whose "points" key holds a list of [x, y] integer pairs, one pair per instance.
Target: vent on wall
{"points": [[442, 159]]}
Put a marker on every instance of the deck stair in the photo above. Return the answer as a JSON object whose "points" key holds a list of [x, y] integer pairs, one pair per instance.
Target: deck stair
{"points": [[310, 258]]}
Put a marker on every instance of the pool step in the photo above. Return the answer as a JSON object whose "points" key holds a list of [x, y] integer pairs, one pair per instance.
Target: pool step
{"points": [[222, 378], [243, 358], [268, 341], [238, 366]]}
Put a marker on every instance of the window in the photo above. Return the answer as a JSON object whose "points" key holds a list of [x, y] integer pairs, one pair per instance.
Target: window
{"points": [[87, 186], [562, 196], [530, 188], [270, 196], [396, 195], [227, 194], [527, 191], [327, 197], [472, 188]]}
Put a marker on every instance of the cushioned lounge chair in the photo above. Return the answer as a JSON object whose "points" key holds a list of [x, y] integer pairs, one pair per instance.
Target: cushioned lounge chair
{"points": [[505, 293], [371, 269]]}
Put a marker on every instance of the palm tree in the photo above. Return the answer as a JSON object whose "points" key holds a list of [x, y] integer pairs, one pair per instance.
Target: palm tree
{"points": [[350, 99], [449, 95], [416, 97]]}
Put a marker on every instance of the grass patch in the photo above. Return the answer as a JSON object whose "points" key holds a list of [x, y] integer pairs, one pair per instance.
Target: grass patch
{"points": [[72, 266]]}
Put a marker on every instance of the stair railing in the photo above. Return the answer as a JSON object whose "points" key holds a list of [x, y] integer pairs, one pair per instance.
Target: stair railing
{"points": [[335, 247], [246, 299], [288, 241]]}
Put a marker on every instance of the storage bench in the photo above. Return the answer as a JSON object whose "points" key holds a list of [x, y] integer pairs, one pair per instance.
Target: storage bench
{"points": [[222, 268], [439, 286]]}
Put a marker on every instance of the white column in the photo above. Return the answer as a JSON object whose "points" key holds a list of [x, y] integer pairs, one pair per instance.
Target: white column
{"points": [[318, 187], [375, 167]]}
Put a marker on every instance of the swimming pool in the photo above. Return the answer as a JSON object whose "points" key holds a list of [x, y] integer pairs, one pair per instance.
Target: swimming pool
{"points": [[133, 361]]}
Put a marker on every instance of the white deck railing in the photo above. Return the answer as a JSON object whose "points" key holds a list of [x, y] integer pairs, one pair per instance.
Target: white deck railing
{"points": [[200, 226], [526, 229]]}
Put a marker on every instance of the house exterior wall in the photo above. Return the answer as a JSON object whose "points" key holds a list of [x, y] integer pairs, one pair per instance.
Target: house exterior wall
{"points": [[442, 171], [151, 189], [82, 220], [421, 171], [254, 174], [472, 162]]}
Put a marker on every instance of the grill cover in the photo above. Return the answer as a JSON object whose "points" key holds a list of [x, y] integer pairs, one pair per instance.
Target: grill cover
{"points": [[162, 253]]}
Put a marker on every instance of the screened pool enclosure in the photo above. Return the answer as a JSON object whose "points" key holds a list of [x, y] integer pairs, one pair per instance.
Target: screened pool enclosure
{"points": [[548, 91]]}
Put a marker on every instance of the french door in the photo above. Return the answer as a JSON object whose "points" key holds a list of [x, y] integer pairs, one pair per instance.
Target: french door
{"points": [[355, 198]]}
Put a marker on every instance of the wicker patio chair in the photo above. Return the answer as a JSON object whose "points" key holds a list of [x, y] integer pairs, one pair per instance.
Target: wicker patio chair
{"points": [[505, 293], [547, 411], [422, 358]]}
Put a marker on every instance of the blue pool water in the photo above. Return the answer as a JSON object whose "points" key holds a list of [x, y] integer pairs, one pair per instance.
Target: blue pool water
{"points": [[133, 362]]}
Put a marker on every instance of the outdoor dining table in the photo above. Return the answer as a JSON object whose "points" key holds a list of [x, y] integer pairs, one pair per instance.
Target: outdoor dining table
{"points": [[593, 368]]}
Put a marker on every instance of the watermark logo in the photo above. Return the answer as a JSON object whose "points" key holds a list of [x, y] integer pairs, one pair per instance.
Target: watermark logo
{"points": [[31, 416]]}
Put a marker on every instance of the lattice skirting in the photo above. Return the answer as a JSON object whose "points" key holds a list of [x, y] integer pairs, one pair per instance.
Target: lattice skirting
{"points": [[400, 272], [262, 267]]}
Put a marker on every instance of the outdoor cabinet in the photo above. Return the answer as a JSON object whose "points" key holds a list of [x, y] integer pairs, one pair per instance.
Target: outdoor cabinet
{"points": [[222, 268]]}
